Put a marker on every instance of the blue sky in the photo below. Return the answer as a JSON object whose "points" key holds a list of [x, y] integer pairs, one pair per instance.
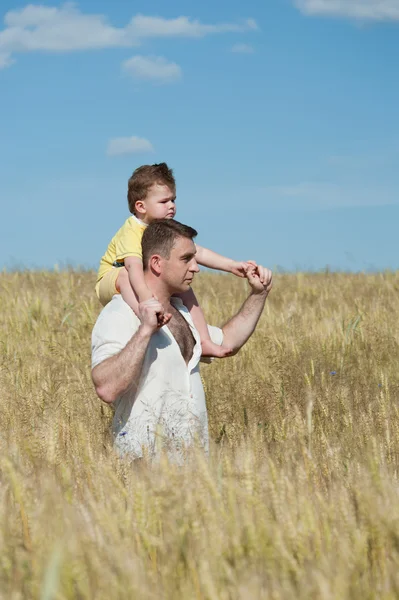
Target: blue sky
{"points": [[279, 118]]}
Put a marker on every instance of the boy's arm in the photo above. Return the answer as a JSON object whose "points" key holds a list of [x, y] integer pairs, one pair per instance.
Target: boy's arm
{"points": [[212, 260], [134, 267]]}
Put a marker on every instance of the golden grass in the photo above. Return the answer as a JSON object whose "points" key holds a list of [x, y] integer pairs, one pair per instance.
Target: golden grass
{"points": [[300, 498]]}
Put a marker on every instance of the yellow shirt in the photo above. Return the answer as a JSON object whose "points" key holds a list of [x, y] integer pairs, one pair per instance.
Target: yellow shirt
{"points": [[126, 242]]}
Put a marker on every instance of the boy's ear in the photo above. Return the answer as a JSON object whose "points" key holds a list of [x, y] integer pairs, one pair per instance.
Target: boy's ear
{"points": [[140, 207]]}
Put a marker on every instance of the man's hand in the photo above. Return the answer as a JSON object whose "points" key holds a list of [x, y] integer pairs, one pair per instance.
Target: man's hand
{"points": [[152, 315], [239, 329], [259, 278], [240, 268]]}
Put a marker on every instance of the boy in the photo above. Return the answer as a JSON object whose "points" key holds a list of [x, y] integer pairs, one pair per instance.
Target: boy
{"points": [[151, 195]]}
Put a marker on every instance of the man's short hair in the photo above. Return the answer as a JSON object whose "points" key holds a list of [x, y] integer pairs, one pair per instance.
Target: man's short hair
{"points": [[160, 237], [145, 177]]}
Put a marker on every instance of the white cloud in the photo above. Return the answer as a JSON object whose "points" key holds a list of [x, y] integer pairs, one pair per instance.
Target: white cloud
{"points": [[155, 68], [66, 29], [128, 145], [364, 10], [322, 195], [184, 27], [5, 60], [242, 49]]}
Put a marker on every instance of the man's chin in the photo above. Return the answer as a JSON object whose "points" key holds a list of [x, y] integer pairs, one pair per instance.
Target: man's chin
{"points": [[184, 287], [181, 289]]}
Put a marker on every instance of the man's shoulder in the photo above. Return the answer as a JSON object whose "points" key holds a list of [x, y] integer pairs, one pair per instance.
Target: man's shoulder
{"points": [[118, 310], [115, 326]]}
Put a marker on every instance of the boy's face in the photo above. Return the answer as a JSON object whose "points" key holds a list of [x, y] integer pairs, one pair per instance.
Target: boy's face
{"points": [[159, 204]]}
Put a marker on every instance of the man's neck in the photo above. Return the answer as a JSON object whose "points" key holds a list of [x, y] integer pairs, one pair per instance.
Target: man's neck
{"points": [[158, 288]]}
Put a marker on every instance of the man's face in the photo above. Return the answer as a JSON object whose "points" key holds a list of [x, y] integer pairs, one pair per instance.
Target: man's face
{"points": [[159, 204], [178, 271]]}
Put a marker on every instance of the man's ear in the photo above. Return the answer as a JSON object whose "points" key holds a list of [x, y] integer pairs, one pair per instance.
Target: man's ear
{"points": [[155, 263], [140, 207]]}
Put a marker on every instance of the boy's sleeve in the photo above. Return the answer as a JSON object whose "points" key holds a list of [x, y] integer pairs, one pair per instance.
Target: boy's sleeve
{"points": [[128, 243]]}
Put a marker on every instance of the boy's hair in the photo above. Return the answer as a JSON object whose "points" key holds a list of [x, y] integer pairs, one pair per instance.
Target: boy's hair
{"points": [[160, 236], [143, 178]]}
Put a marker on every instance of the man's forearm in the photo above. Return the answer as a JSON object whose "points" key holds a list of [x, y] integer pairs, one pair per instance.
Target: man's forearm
{"points": [[118, 374], [239, 329]]}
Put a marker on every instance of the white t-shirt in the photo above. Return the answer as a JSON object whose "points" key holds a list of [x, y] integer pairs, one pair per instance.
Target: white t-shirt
{"points": [[168, 409]]}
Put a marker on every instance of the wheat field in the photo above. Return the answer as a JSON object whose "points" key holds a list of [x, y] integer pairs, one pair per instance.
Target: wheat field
{"points": [[298, 499]]}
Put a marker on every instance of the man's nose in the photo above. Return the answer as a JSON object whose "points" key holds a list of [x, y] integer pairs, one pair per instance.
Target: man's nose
{"points": [[194, 268]]}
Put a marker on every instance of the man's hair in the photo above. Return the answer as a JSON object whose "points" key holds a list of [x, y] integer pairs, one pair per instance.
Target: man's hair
{"points": [[160, 236], [143, 178]]}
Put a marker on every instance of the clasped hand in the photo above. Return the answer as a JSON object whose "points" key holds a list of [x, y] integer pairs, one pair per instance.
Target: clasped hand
{"points": [[259, 278], [152, 315]]}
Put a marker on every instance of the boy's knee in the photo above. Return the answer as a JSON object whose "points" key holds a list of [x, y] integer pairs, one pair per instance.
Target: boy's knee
{"points": [[122, 279]]}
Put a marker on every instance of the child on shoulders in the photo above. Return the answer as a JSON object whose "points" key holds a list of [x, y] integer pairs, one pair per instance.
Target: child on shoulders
{"points": [[152, 195]]}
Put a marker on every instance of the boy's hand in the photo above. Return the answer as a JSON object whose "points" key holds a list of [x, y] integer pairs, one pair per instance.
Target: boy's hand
{"points": [[240, 268]]}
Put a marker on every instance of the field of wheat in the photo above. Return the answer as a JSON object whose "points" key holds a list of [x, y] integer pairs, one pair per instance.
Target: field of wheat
{"points": [[298, 499]]}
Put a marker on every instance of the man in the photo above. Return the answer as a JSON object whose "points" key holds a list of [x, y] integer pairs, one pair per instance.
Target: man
{"points": [[148, 368]]}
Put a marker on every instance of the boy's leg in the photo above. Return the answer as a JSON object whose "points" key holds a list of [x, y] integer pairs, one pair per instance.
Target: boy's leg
{"points": [[209, 348], [124, 287], [126, 291], [106, 287]]}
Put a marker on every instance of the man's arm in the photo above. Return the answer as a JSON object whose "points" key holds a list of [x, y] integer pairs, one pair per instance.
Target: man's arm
{"points": [[116, 375], [239, 329]]}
